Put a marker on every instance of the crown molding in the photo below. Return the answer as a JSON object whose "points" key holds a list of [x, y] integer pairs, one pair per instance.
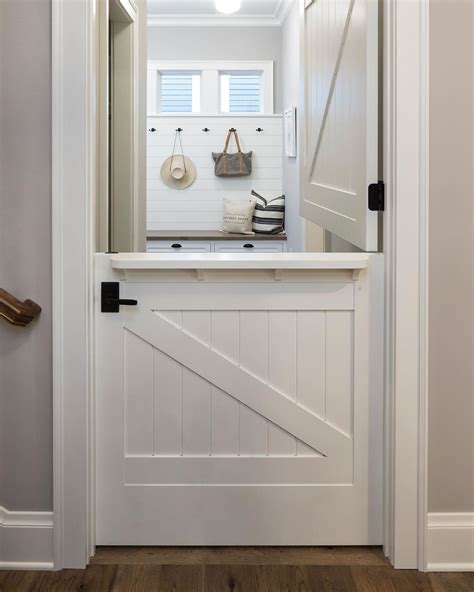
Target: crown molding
{"points": [[198, 20], [283, 10], [221, 20]]}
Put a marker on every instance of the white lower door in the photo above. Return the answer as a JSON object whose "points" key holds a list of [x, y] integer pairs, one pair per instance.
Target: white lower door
{"points": [[236, 409]]}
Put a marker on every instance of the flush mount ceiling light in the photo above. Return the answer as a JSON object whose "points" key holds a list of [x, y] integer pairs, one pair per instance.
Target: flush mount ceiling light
{"points": [[228, 6]]}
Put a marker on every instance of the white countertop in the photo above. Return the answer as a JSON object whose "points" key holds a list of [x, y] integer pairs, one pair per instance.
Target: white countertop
{"points": [[151, 261]]}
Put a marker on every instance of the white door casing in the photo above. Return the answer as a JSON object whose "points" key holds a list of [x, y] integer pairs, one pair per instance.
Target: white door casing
{"points": [[235, 411], [339, 139], [73, 31]]}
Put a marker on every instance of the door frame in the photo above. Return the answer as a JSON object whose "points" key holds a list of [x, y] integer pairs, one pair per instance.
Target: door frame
{"points": [[75, 43]]}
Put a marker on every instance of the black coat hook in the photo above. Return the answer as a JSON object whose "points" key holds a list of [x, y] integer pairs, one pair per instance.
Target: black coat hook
{"points": [[180, 129], [152, 129], [206, 129], [259, 129]]}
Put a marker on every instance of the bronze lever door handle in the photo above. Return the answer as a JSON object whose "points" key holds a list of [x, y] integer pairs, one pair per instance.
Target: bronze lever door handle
{"points": [[16, 312]]}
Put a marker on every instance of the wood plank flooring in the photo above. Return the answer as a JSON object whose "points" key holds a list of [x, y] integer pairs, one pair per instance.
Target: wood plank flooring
{"points": [[240, 556], [293, 569]]}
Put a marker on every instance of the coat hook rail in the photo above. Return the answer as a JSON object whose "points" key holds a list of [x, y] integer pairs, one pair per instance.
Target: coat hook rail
{"points": [[16, 312]]}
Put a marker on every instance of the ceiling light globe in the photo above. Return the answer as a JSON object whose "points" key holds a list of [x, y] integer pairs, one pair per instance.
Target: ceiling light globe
{"points": [[228, 6]]}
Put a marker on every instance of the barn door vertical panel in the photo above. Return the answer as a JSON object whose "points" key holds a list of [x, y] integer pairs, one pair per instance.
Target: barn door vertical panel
{"points": [[340, 56]]}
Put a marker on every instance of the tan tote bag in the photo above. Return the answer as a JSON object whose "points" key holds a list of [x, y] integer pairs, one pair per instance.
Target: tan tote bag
{"points": [[238, 164]]}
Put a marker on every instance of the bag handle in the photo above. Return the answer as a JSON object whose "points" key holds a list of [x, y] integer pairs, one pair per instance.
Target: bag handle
{"points": [[177, 135], [227, 140]]}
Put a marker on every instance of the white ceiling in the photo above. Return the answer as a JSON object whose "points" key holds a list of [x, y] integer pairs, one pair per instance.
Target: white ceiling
{"points": [[203, 12]]}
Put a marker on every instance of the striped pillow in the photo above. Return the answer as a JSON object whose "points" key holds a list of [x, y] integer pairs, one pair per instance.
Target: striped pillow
{"points": [[269, 216]]}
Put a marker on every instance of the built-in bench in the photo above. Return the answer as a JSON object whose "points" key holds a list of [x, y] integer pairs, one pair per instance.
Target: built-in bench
{"points": [[213, 241]]}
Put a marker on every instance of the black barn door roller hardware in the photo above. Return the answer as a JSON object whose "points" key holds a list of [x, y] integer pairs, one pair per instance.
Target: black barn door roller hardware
{"points": [[110, 300]]}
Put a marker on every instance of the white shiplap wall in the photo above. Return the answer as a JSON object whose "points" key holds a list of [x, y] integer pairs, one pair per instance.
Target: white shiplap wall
{"points": [[199, 207]]}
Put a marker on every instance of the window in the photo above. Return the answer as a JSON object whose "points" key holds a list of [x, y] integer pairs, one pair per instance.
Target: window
{"points": [[180, 92], [210, 87], [241, 92]]}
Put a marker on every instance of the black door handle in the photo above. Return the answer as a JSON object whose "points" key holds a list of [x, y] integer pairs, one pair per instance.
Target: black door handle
{"points": [[248, 246], [110, 300], [119, 301], [176, 246]]}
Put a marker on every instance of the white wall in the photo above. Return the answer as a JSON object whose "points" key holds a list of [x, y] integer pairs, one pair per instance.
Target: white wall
{"points": [[214, 43], [290, 93], [200, 206]]}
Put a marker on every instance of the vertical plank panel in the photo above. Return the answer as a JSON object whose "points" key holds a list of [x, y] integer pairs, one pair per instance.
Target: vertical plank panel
{"points": [[225, 333], [198, 324], [311, 361], [168, 383], [138, 358], [225, 409], [280, 443], [303, 449], [282, 373], [339, 369], [196, 392], [196, 415], [254, 342], [254, 358], [224, 424], [282, 352], [253, 433]]}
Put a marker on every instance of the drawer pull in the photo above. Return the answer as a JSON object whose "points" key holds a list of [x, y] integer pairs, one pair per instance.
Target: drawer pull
{"points": [[176, 246], [248, 246]]}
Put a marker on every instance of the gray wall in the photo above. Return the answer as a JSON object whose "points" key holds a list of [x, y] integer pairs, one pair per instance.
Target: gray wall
{"points": [[451, 396], [218, 43], [25, 253]]}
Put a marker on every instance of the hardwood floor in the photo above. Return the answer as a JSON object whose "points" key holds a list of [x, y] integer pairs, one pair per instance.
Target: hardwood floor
{"points": [[293, 569], [240, 556]]}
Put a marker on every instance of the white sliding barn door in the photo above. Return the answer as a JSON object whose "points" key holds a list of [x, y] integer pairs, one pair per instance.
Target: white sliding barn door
{"points": [[339, 131], [235, 410]]}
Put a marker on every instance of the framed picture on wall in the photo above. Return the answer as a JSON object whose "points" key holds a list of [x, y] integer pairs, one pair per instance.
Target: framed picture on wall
{"points": [[290, 132]]}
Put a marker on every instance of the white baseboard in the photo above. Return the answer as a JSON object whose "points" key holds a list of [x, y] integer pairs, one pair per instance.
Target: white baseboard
{"points": [[451, 541], [26, 540]]}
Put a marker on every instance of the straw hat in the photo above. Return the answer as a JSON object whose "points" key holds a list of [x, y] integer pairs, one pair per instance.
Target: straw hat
{"points": [[178, 172]]}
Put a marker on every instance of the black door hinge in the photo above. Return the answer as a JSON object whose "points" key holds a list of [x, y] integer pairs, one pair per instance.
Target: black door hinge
{"points": [[110, 300], [377, 197]]}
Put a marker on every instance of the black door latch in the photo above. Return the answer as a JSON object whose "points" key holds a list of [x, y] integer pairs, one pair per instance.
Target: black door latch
{"points": [[377, 197], [110, 300]]}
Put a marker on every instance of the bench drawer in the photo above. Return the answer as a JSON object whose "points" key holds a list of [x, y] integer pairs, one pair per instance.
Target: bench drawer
{"points": [[248, 246], [177, 246]]}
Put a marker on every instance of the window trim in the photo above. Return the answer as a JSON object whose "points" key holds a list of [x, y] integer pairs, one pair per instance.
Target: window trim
{"points": [[210, 83]]}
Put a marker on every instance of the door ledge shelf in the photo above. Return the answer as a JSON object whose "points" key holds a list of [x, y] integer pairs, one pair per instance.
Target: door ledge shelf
{"points": [[347, 261], [279, 262]]}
